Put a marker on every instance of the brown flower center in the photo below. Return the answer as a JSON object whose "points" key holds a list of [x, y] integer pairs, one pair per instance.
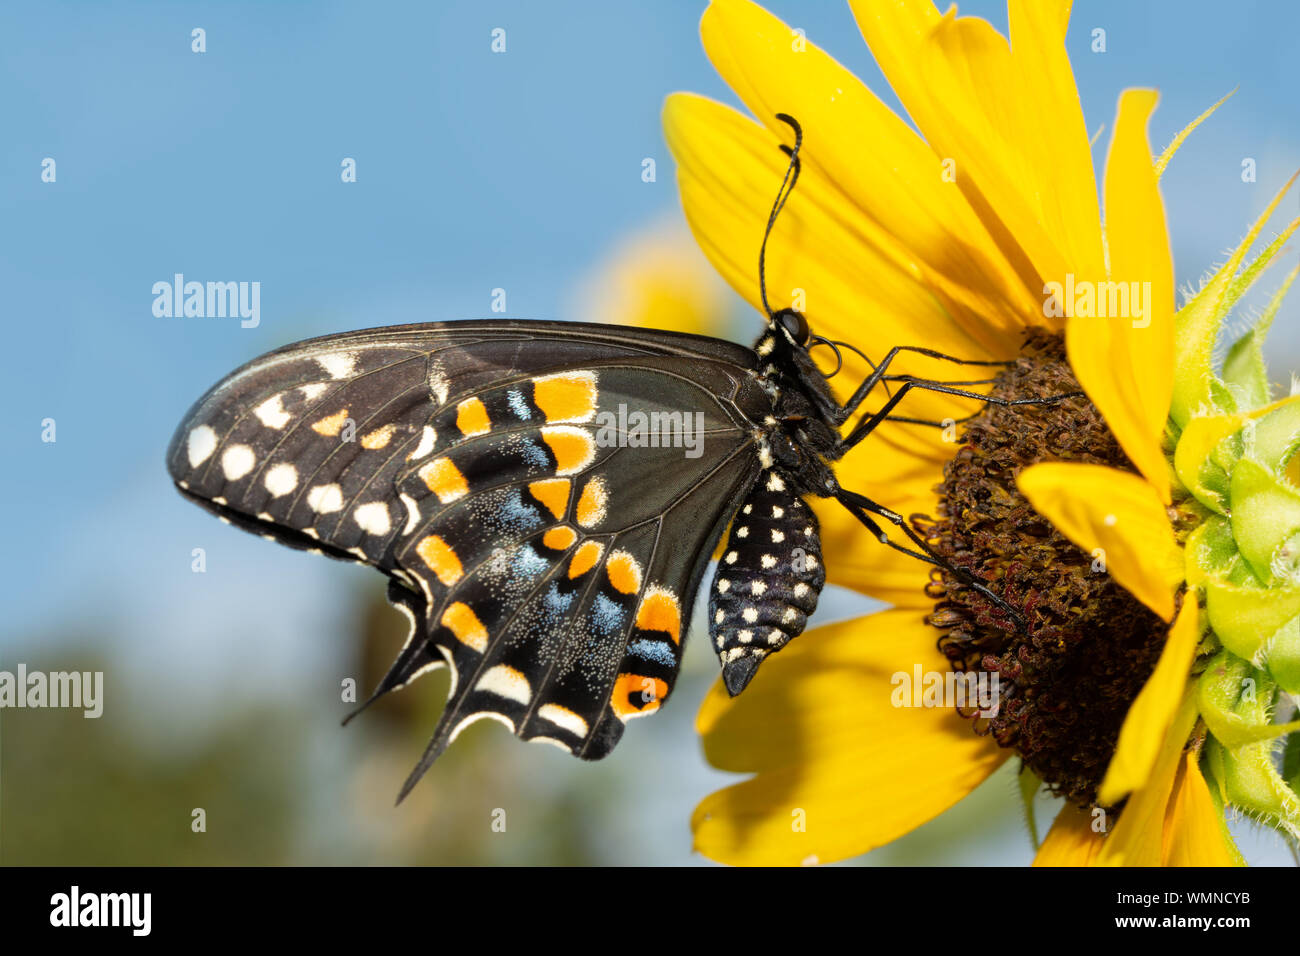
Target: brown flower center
{"points": [[1067, 684]]}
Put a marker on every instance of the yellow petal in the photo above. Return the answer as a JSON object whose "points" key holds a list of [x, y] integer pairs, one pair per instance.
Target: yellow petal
{"points": [[1009, 116], [1064, 177], [1099, 507], [1153, 710], [1138, 838], [1195, 833], [884, 170], [1071, 841], [1126, 362], [833, 754]]}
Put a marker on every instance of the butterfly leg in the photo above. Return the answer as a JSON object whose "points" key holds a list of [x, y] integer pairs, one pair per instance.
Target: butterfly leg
{"points": [[862, 507], [879, 373], [868, 425]]}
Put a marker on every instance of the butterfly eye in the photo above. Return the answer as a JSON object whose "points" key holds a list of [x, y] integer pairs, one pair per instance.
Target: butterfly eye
{"points": [[795, 325]]}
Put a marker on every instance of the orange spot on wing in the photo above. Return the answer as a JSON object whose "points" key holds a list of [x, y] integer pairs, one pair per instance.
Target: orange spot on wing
{"points": [[552, 492], [573, 448], [444, 479], [331, 426], [637, 696], [585, 558], [441, 559], [472, 418], [567, 397], [560, 538], [591, 505], [624, 573], [464, 623], [379, 438], [659, 611]]}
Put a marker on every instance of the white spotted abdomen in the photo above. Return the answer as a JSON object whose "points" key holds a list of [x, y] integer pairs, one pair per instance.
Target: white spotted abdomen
{"points": [[767, 582]]}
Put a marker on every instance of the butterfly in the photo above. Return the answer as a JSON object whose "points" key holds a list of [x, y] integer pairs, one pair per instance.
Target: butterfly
{"points": [[545, 497]]}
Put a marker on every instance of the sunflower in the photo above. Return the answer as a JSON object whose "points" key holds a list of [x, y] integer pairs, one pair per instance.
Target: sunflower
{"points": [[1146, 525]]}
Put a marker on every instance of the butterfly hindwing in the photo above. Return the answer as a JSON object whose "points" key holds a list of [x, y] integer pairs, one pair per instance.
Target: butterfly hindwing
{"points": [[545, 550]]}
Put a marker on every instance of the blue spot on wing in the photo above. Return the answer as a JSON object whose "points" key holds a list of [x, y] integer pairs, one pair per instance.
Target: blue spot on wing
{"points": [[518, 515], [658, 651], [527, 563], [556, 601], [518, 405], [533, 454], [606, 616]]}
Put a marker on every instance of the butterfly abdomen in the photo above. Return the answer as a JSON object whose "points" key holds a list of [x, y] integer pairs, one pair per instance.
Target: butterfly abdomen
{"points": [[768, 580]]}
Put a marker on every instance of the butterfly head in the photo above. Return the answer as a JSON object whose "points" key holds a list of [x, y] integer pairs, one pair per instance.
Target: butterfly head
{"points": [[792, 325]]}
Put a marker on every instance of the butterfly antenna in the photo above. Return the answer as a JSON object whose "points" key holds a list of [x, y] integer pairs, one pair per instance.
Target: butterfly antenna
{"points": [[782, 194]]}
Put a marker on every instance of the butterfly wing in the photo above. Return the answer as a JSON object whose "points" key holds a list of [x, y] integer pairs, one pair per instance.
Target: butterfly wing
{"points": [[514, 480]]}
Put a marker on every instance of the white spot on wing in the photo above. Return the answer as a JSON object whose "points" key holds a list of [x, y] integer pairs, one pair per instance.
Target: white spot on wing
{"points": [[338, 364], [272, 413], [481, 715], [201, 444], [427, 439], [438, 384], [506, 682], [563, 717], [412, 512], [237, 461], [373, 517], [281, 479], [325, 499]]}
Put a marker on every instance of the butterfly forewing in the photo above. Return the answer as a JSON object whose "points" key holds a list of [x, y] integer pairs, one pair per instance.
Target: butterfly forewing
{"points": [[546, 551]]}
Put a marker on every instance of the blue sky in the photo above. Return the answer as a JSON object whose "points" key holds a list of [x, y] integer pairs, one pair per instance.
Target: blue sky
{"points": [[475, 171]]}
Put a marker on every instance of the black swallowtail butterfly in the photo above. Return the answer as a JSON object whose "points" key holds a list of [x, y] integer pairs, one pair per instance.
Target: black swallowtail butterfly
{"points": [[546, 550]]}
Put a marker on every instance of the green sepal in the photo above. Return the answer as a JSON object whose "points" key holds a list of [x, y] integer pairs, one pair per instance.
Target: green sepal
{"points": [[1276, 435], [1228, 696], [1265, 517], [1241, 284], [1214, 782], [1282, 656], [1245, 617], [1203, 463], [1198, 390], [1196, 330], [1291, 762], [1210, 550], [1252, 784], [1030, 783], [1244, 369]]}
